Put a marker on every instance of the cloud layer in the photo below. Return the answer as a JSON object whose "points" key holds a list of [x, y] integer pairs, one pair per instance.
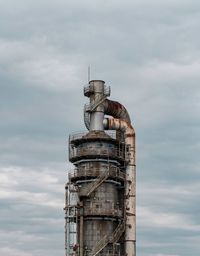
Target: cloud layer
{"points": [[148, 52]]}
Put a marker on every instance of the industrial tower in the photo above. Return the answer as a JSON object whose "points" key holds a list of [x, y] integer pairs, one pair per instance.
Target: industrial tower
{"points": [[100, 193]]}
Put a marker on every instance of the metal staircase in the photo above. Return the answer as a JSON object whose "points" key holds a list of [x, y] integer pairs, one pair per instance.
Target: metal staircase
{"points": [[113, 238], [118, 232], [94, 105], [87, 190], [86, 118]]}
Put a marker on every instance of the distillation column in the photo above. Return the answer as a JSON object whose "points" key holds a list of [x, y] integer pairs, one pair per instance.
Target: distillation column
{"points": [[100, 193]]}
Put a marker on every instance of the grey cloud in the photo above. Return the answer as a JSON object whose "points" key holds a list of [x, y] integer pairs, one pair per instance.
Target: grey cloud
{"points": [[149, 54], [34, 217]]}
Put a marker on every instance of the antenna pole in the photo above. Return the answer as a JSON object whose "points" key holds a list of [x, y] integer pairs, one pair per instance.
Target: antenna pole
{"points": [[88, 73]]}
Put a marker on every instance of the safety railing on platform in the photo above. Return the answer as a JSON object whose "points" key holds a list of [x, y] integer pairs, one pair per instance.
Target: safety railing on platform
{"points": [[115, 153], [92, 172], [81, 135], [111, 211], [89, 88]]}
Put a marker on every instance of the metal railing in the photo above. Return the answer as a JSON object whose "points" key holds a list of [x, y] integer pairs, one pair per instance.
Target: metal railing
{"points": [[89, 88], [118, 232], [81, 135], [107, 90], [92, 172], [111, 211], [89, 152], [113, 238]]}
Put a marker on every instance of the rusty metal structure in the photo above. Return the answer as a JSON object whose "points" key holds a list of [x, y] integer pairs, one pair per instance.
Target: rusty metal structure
{"points": [[100, 192]]}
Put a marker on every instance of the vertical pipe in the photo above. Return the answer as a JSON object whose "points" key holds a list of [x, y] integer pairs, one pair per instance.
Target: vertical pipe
{"points": [[96, 121], [81, 229], [67, 244], [130, 229], [130, 191], [97, 116], [130, 234]]}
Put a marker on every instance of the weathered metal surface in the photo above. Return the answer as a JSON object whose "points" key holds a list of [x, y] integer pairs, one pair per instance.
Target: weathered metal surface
{"points": [[78, 138], [81, 173], [92, 149], [90, 88], [103, 214], [116, 110]]}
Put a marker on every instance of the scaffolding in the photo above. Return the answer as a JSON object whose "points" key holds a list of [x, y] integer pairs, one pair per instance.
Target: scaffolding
{"points": [[71, 216]]}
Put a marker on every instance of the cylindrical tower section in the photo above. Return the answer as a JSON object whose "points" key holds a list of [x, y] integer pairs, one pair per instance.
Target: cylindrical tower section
{"points": [[97, 92], [100, 185], [97, 116]]}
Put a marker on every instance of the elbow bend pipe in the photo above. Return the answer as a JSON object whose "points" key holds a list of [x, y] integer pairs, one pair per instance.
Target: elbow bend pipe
{"points": [[116, 110], [111, 108], [127, 129], [119, 124]]}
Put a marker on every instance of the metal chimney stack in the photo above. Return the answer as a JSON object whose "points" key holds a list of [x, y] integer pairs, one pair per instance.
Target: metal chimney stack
{"points": [[100, 193]]}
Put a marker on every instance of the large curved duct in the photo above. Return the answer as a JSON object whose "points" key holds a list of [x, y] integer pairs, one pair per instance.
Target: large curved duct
{"points": [[111, 108], [116, 110]]}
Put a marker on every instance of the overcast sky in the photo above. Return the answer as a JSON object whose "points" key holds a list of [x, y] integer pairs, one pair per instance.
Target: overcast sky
{"points": [[148, 52]]}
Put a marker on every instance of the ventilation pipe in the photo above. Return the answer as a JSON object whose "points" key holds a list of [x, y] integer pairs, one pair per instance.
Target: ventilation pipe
{"points": [[119, 121]]}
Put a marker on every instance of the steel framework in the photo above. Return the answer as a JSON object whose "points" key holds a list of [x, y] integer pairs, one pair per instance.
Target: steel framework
{"points": [[100, 193]]}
